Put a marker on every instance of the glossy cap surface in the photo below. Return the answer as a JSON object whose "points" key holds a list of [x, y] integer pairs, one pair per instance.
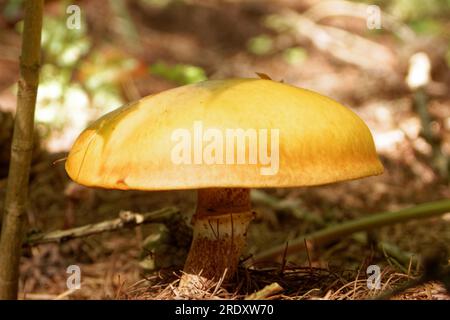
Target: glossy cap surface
{"points": [[319, 140]]}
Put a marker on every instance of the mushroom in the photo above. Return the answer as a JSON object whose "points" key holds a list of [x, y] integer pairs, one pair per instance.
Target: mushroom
{"points": [[223, 137]]}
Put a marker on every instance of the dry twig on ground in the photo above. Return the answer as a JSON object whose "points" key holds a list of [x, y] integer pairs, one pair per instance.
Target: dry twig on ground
{"points": [[126, 219]]}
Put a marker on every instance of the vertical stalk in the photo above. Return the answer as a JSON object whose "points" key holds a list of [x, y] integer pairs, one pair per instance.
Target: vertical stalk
{"points": [[21, 149], [220, 233]]}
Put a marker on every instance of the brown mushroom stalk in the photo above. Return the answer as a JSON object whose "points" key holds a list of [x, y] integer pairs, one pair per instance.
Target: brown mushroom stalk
{"points": [[220, 228]]}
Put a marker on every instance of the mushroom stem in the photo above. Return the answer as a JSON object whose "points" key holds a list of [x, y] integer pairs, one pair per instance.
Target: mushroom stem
{"points": [[220, 228]]}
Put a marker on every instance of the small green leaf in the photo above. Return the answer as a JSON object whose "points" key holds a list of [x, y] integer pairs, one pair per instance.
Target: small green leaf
{"points": [[179, 73], [260, 45], [295, 55]]}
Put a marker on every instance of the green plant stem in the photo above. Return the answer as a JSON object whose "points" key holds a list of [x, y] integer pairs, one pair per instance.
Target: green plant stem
{"points": [[330, 234], [21, 151]]}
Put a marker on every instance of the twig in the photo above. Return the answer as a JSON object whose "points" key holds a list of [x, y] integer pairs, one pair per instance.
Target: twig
{"points": [[21, 151], [65, 294], [307, 253], [126, 219], [330, 234], [266, 292], [38, 296], [283, 261]]}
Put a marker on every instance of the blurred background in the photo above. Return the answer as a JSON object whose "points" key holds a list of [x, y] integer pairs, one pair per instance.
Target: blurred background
{"points": [[389, 61]]}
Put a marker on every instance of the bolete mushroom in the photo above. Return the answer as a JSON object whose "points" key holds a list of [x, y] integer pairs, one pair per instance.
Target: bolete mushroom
{"points": [[224, 137]]}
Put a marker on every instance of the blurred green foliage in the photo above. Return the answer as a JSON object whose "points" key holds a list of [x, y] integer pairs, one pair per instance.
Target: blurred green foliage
{"points": [[58, 94], [179, 73], [276, 23], [101, 78], [295, 55], [260, 45], [413, 10], [12, 9], [77, 82], [427, 26], [62, 46]]}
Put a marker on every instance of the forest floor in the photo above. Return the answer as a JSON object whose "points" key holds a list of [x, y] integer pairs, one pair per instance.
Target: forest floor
{"points": [[118, 265]]}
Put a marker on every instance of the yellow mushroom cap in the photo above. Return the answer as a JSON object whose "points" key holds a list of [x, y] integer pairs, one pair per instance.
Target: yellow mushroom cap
{"points": [[319, 140]]}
